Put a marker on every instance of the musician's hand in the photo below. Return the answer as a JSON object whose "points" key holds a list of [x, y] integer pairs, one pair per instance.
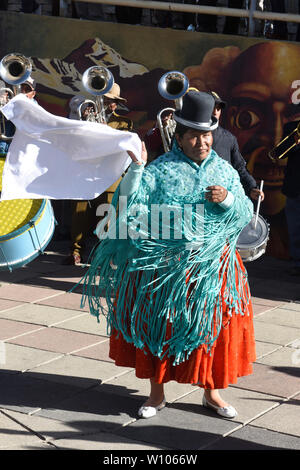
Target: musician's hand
{"points": [[144, 155], [255, 193], [216, 193]]}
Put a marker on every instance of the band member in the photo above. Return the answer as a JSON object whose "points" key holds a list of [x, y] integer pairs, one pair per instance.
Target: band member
{"points": [[177, 299], [7, 129], [84, 212], [227, 147], [153, 139], [291, 190]]}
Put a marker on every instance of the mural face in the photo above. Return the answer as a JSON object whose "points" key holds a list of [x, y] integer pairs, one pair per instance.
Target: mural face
{"points": [[260, 103], [257, 85]]}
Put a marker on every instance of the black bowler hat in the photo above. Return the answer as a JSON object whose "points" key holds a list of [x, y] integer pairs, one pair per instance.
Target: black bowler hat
{"points": [[196, 111], [218, 100]]}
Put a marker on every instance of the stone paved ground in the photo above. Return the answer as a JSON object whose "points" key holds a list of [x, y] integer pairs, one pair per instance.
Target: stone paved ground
{"points": [[60, 390]]}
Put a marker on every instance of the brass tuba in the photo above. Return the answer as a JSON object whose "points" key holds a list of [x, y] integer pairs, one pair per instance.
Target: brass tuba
{"points": [[15, 69], [171, 86], [98, 81], [285, 145]]}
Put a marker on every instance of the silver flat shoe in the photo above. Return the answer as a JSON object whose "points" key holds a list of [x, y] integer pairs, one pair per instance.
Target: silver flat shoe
{"points": [[225, 412], [150, 411]]}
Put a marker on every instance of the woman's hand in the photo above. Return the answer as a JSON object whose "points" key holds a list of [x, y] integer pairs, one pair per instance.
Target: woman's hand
{"points": [[144, 155], [216, 193]]}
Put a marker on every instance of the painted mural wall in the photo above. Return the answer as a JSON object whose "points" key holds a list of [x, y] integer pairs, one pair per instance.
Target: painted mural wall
{"points": [[259, 80]]}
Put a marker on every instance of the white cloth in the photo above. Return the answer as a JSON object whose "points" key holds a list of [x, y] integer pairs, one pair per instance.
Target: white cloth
{"points": [[59, 158]]}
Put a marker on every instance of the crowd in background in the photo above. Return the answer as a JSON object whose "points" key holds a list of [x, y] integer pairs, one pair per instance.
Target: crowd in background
{"points": [[167, 19]]}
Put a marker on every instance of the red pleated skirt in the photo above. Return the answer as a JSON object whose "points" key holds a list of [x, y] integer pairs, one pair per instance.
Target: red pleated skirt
{"points": [[230, 357]]}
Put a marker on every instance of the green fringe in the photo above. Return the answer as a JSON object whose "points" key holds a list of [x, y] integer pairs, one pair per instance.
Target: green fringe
{"points": [[159, 283]]}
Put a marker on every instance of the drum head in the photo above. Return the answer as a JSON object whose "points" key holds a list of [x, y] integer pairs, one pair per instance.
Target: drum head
{"points": [[16, 213], [2, 161], [253, 237]]}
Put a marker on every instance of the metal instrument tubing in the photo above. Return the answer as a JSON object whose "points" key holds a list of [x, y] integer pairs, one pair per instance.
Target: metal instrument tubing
{"points": [[8, 265], [32, 224], [276, 153]]}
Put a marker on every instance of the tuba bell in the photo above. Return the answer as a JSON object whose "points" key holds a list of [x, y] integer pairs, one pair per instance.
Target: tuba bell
{"points": [[171, 86], [15, 69], [98, 81], [285, 145]]}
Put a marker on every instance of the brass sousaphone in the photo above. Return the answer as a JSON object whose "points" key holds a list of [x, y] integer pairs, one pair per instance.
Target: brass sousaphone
{"points": [[15, 69], [98, 81], [171, 86]]}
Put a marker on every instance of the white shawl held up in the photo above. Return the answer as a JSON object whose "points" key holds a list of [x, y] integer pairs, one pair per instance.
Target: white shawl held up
{"points": [[59, 158]]}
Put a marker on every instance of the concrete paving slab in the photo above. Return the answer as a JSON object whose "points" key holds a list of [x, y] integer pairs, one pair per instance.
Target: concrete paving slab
{"points": [[58, 280], [284, 419], [277, 289], [276, 334], [8, 305], [99, 352], [12, 329], [48, 429], [281, 316], [66, 436], [130, 384], [26, 394], [252, 438], [267, 379], [41, 446], [263, 348], [267, 302], [56, 340], [19, 275], [67, 300], [86, 323], [77, 371], [292, 306], [14, 435], [93, 411], [187, 428], [20, 358], [25, 293], [285, 358], [248, 404], [40, 314], [104, 441], [259, 309]]}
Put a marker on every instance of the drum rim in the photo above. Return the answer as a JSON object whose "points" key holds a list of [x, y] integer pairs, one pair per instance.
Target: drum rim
{"points": [[259, 241], [27, 226], [23, 261]]}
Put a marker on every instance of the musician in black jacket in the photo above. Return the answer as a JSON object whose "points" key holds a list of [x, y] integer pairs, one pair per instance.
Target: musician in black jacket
{"points": [[291, 189], [227, 147]]}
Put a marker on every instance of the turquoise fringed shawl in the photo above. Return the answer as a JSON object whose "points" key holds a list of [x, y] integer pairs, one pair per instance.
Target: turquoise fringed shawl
{"points": [[165, 292]]}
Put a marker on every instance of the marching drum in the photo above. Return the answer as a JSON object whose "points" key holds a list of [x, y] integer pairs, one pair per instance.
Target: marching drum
{"points": [[253, 240], [26, 228], [2, 161]]}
